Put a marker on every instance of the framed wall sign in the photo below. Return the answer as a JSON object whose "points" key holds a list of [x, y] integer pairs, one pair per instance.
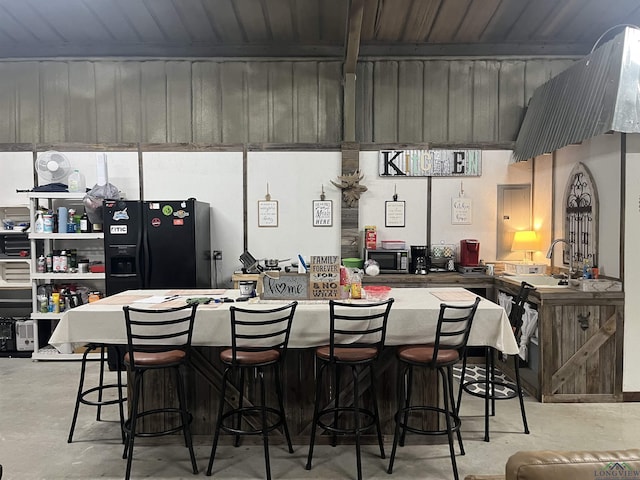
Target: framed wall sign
{"points": [[394, 213], [461, 209], [322, 213], [267, 213]]}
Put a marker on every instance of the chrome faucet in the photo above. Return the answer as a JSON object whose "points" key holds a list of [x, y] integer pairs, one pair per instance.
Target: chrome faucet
{"points": [[550, 253]]}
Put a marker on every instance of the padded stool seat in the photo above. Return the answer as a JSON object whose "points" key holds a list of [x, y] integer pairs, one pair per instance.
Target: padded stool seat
{"points": [[85, 396]]}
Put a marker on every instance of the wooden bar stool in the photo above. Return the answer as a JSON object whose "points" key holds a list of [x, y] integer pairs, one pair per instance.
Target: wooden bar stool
{"points": [[259, 340], [156, 340], [357, 333], [489, 382], [452, 333]]}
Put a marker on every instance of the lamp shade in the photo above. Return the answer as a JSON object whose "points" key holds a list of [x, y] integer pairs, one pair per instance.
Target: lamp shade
{"points": [[526, 240]]}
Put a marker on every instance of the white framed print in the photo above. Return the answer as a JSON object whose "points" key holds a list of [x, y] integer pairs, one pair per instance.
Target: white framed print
{"points": [[461, 211], [323, 213], [394, 213], [267, 213]]}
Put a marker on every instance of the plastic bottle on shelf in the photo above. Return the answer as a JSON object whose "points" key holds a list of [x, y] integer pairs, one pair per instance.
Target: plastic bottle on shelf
{"points": [[77, 182], [39, 223]]}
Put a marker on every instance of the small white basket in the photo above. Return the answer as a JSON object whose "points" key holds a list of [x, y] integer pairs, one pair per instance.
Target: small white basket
{"points": [[514, 268]]}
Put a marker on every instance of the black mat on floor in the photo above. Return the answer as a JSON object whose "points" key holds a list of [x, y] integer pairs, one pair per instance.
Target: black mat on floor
{"points": [[477, 372]]}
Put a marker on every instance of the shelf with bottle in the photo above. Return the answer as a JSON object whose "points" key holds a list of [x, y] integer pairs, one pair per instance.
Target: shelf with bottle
{"points": [[64, 245]]}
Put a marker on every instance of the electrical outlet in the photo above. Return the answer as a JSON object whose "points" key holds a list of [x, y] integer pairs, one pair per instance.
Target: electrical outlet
{"points": [[217, 255]]}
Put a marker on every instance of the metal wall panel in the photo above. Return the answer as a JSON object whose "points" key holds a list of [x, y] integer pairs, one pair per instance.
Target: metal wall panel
{"points": [[447, 101], [215, 101]]}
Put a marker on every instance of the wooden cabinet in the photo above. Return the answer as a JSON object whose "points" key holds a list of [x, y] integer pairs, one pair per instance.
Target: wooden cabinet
{"points": [[579, 346]]}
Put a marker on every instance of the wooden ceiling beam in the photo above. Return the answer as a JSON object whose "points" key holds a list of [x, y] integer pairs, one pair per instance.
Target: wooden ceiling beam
{"points": [[354, 30]]}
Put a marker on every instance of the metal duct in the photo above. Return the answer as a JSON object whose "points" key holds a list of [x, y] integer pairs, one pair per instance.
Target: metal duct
{"points": [[598, 94]]}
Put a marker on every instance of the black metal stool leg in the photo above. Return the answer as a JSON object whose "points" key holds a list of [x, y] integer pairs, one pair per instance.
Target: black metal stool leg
{"points": [[336, 394], [79, 394], [492, 359], [453, 405], [408, 384], [448, 420], [240, 402], [282, 412], [316, 409], [375, 408], [216, 435], [400, 385], [186, 428], [100, 381], [128, 449], [462, 383], [516, 366], [265, 433], [487, 393], [356, 418], [121, 399]]}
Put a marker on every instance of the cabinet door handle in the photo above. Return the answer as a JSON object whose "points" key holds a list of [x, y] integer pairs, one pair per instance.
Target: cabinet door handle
{"points": [[583, 320]]}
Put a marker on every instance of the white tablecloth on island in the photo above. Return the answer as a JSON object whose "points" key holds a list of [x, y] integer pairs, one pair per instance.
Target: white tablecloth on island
{"points": [[412, 319]]}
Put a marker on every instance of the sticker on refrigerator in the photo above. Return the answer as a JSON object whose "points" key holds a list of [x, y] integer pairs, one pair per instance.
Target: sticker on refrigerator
{"points": [[154, 206], [118, 229], [120, 215], [178, 221], [155, 222], [167, 210], [181, 214]]}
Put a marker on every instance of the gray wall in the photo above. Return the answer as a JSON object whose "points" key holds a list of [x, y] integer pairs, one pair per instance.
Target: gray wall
{"points": [[178, 101]]}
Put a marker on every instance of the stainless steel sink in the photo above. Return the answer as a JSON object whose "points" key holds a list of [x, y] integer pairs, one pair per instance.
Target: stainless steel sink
{"points": [[538, 281]]}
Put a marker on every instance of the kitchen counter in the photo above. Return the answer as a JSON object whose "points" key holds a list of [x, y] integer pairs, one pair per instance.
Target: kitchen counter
{"points": [[435, 279]]}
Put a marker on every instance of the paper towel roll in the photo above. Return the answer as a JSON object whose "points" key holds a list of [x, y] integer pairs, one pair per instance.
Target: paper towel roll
{"points": [[101, 165]]}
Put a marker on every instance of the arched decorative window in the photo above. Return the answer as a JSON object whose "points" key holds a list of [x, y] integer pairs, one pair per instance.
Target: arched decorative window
{"points": [[581, 217]]}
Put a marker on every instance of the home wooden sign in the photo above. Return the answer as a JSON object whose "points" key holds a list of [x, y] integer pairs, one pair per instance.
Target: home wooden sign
{"points": [[285, 286]]}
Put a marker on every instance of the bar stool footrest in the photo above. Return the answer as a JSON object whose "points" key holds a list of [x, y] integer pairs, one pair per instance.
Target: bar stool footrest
{"points": [[367, 415], [97, 403], [251, 411], [399, 417], [127, 424], [511, 393]]}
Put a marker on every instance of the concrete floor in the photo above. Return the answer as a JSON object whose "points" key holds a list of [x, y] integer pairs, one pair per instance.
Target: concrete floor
{"points": [[36, 404]]}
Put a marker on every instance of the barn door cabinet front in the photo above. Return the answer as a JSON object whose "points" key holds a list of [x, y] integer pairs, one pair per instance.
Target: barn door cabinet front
{"points": [[581, 350]]}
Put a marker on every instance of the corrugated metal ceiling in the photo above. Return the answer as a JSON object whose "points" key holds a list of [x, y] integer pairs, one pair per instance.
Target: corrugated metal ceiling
{"points": [[302, 28]]}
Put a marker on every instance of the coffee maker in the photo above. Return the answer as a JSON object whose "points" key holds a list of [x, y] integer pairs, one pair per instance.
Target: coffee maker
{"points": [[469, 253], [419, 260]]}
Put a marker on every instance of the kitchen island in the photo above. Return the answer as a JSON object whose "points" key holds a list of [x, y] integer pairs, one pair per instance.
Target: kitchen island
{"points": [[412, 319]]}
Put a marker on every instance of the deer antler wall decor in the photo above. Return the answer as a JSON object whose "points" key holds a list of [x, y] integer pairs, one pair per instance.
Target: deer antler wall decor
{"points": [[351, 188]]}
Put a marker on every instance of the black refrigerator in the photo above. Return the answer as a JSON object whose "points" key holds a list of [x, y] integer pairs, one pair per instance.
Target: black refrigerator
{"points": [[156, 244]]}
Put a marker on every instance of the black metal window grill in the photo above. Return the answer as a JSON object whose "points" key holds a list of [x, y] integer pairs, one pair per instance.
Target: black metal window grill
{"points": [[581, 217]]}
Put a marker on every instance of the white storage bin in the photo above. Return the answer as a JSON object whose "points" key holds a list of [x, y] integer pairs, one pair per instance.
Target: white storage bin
{"points": [[515, 268]]}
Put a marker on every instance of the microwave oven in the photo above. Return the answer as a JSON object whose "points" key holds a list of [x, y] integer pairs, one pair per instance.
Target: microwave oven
{"points": [[390, 261]]}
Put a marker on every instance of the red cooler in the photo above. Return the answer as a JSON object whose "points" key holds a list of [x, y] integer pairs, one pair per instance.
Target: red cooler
{"points": [[469, 253]]}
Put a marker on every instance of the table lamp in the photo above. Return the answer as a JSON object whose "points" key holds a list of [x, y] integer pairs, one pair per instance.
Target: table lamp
{"points": [[527, 241]]}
